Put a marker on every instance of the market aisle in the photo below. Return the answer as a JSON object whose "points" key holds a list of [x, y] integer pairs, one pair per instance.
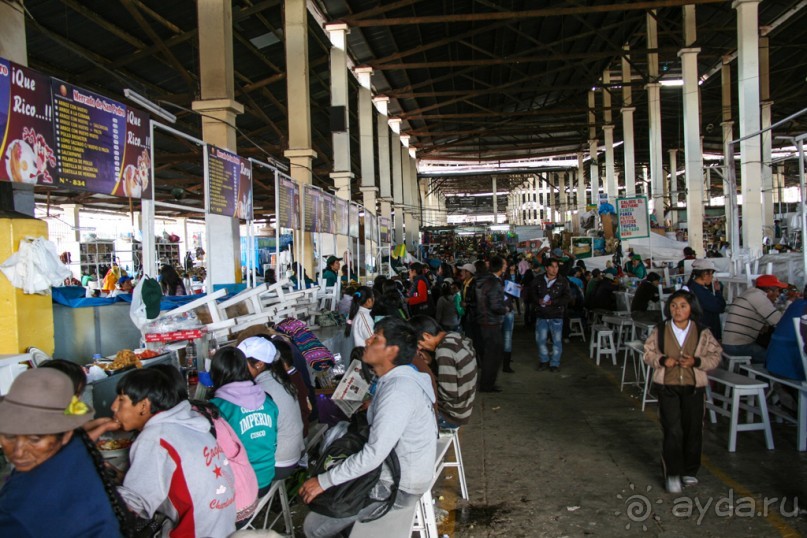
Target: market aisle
{"points": [[567, 454]]}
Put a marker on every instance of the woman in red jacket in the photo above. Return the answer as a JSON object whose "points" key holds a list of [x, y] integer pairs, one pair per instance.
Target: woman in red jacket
{"points": [[418, 298]]}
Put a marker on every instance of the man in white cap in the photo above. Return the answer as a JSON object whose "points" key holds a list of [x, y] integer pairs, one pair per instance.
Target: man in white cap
{"points": [[709, 293]]}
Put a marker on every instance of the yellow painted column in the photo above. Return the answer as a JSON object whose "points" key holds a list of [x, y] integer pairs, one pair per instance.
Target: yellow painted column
{"points": [[25, 320]]}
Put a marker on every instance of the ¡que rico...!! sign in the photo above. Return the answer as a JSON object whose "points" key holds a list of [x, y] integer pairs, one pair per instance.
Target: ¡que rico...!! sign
{"points": [[27, 146], [55, 133], [634, 220], [229, 184]]}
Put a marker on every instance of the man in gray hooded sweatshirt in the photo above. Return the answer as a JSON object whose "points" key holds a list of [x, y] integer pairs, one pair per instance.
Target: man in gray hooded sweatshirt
{"points": [[401, 417]]}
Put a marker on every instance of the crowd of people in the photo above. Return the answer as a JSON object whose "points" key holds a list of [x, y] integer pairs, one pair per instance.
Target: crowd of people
{"points": [[429, 343], [199, 468]]}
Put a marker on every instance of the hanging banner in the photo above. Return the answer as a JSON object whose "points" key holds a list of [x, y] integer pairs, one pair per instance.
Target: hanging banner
{"points": [[90, 132], [369, 226], [289, 197], [229, 183], [313, 208], [633, 217], [27, 146], [327, 224], [243, 205], [55, 133], [342, 216], [354, 221], [135, 178], [384, 230]]}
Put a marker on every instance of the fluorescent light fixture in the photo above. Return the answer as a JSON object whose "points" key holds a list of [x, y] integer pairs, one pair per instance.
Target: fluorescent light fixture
{"points": [[155, 109], [267, 40], [672, 82], [500, 228]]}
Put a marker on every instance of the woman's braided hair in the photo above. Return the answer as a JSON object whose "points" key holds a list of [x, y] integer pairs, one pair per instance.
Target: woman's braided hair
{"points": [[125, 518]]}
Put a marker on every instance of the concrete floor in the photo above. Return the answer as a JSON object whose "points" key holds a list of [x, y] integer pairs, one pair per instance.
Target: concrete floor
{"points": [[568, 454]]}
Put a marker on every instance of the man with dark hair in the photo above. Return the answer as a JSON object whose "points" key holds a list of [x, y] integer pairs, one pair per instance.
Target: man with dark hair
{"points": [[689, 254], [490, 310], [549, 295], [591, 287], [331, 271], [646, 293], [456, 370], [401, 418]]}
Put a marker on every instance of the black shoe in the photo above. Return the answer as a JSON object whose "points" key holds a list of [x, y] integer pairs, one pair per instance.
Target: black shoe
{"points": [[554, 369], [543, 366], [508, 370]]}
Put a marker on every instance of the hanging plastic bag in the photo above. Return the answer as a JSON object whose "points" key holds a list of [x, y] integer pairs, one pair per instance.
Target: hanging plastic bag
{"points": [[138, 309], [35, 267]]}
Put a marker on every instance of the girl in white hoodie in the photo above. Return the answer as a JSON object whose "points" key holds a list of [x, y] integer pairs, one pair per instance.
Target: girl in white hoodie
{"points": [[360, 323]]}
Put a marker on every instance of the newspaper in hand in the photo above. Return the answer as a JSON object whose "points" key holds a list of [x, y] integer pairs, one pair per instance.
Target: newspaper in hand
{"points": [[352, 390], [511, 288]]}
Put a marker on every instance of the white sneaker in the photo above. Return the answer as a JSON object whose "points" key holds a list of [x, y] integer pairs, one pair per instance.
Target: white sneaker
{"points": [[673, 484], [689, 480]]}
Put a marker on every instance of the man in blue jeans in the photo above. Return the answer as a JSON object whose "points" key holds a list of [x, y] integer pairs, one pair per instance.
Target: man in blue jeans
{"points": [[549, 295]]}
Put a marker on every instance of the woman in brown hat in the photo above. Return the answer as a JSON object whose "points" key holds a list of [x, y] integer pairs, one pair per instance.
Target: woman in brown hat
{"points": [[59, 486]]}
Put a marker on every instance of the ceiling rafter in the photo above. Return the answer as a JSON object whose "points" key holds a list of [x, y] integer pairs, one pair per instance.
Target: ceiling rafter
{"points": [[531, 13]]}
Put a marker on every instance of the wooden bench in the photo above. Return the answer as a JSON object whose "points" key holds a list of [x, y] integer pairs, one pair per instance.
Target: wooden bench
{"points": [[634, 350], [754, 371], [739, 387]]}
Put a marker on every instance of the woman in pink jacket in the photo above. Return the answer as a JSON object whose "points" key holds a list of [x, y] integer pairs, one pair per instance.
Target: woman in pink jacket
{"points": [[681, 352]]}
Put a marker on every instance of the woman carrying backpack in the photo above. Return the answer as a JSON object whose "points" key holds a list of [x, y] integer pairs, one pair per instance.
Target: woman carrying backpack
{"points": [[247, 409], [418, 298], [681, 352]]}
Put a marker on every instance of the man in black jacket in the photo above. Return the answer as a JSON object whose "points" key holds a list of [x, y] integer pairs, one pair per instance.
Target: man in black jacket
{"points": [[549, 296], [490, 311]]}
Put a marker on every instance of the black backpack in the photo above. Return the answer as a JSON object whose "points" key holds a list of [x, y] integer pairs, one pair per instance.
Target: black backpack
{"points": [[347, 499]]}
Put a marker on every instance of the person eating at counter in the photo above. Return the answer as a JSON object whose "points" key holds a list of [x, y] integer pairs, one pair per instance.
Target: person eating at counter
{"points": [[59, 486], [176, 466]]}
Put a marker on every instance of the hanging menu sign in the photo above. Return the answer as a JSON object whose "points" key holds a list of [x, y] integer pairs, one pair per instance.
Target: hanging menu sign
{"points": [[289, 204], [229, 183], [27, 146], [383, 230], [243, 204], [135, 178], [633, 217], [341, 216], [328, 223], [90, 133], [353, 221], [369, 226], [313, 208]]}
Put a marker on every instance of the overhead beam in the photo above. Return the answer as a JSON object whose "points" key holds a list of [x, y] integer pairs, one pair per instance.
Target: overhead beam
{"points": [[529, 14], [616, 53]]}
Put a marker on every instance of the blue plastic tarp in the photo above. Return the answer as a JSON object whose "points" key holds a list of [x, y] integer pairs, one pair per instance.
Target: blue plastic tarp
{"points": [[74, 297]]}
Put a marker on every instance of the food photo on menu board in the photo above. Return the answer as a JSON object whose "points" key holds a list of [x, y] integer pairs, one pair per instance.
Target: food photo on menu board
{"points": [[26, 123], [135, 177], [90, 133]]}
